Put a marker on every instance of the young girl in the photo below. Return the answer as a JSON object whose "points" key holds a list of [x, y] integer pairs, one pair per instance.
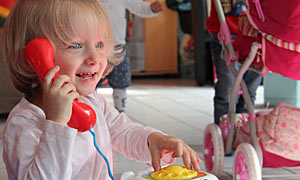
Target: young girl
{"points": [[37, 142]]}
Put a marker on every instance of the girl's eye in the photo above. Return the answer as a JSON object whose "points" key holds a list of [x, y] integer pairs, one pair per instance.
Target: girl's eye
{"points": [[100, 45], [75, 46]]}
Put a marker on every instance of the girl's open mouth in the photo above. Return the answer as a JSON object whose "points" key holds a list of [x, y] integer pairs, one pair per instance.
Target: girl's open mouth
{"points": [[86, 76]]}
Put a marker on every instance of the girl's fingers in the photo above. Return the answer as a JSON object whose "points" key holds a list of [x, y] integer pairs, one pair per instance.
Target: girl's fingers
{"points": [[195, 161], [155, 159], [178, 150], [60, 81], [49, 76], [74, 95], [67, 88], [189, 156], [186, 159]]}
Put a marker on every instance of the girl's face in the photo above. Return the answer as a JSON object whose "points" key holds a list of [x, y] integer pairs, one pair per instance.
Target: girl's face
{"points": [[84, 58]]}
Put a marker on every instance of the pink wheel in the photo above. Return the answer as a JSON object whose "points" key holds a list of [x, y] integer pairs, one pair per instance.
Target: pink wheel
{"points": [[246, 163], [213, 150]]}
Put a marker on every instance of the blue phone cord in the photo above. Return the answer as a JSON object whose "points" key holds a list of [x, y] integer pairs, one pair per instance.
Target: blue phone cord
{"points": [[104, 157]]}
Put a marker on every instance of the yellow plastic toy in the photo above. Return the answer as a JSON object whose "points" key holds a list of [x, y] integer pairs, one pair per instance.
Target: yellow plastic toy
{"points": [[174, 172]]}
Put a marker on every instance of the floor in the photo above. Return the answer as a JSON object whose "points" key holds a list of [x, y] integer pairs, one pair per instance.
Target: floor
{"points": [[177, 107]]}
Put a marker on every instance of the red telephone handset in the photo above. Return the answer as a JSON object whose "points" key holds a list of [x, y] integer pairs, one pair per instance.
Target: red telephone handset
{"points": [[40, 54]]}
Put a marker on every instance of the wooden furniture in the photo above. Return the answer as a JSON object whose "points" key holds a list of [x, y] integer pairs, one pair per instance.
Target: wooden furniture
{"points": [[160, 43], [9, 97]]}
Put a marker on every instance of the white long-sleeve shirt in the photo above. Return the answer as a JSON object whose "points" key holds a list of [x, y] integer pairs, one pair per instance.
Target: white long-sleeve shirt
{"points": [[116, 11], [36, 148]]}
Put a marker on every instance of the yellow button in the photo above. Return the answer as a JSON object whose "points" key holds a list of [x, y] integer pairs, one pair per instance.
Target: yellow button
{"points": [[174, 172]]}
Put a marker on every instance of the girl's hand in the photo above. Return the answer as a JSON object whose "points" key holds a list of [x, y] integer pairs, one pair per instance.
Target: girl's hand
{"points": [[160, 144], [58, 96], [156, 7]]}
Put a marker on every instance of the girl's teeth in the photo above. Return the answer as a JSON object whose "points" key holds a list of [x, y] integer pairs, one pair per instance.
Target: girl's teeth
{"points": [[86, 75]]}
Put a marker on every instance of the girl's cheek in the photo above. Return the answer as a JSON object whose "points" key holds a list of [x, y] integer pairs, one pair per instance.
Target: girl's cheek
{"points": [[104, 65]]}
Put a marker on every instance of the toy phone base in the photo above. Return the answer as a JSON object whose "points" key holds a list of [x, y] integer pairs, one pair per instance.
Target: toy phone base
{"points": [[143, 175]]}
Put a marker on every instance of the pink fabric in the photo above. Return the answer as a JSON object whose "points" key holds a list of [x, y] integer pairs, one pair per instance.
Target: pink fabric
{"points": [[271, 160], [36, 148], [281, 21], [243, 45], [278, 131], [243, 42], [281, 131], [282, 61], [276, 59], [281, 18]]}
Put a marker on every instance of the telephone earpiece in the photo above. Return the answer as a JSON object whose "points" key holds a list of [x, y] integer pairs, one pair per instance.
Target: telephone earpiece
{"points": [[40, 54]]}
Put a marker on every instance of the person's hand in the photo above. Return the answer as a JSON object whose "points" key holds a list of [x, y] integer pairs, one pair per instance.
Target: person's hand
{"points": [[156, 7], [160, 144], [58, 96]]}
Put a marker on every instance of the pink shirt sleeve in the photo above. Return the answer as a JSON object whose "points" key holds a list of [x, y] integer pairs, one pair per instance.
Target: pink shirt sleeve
{"points": [[37, 149]]}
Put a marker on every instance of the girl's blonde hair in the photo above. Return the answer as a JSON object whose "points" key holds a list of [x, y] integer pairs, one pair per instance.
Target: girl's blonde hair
{"points": [[51, 19]]}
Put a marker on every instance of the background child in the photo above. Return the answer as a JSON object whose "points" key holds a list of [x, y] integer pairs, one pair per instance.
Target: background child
{"points": [[37, 142], [224, 75], [120, 78]]}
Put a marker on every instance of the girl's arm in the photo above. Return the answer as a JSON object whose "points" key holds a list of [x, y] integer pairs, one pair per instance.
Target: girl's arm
{"points": [[140, 8], [128, 138], [145, 144]]}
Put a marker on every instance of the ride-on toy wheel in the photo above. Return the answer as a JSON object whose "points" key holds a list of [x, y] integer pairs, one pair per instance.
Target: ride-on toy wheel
{"points": [[246, 163], [213, 149]]}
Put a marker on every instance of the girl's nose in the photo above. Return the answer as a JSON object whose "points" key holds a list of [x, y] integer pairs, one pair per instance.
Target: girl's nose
{"points": [[90, 61], [92, 57]]}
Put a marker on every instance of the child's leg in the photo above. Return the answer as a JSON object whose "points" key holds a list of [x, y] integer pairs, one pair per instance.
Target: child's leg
{"points": [[119, 79], [224, 82], [253, 80], [119, 96]]}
